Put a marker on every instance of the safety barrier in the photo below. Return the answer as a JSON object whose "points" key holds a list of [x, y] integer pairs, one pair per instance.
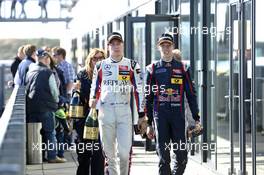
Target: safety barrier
{"points": [[5, 77], [2, 97], [12, 135]]}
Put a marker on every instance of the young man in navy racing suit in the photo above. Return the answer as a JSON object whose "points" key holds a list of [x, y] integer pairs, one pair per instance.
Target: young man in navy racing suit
{"points": [[168, 80]]}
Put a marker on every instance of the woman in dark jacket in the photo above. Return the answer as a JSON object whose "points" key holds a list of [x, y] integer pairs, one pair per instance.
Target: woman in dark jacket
{"points": [[91, 157]]}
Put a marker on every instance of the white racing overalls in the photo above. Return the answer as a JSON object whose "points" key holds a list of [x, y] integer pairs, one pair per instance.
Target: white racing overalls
{"points": [[112, 85]]}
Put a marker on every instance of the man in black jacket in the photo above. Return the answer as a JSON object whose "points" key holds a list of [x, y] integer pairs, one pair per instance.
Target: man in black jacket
{"points": [[20, 56], [42, 97], [30, 52]]}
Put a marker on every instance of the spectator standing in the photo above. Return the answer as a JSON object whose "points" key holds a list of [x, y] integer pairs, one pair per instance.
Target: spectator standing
{"points": [[59, 55], [60, 114], [91, 159], [23, 12], [30, 52], [177, 54], [59, 73], [42, 4], [67, 68], [13, 9], [189, 121], [20, 56], [42, 96], [1, 8]]}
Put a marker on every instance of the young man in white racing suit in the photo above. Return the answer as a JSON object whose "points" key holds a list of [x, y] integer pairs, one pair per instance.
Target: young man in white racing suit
{"points": [[113, 80]]}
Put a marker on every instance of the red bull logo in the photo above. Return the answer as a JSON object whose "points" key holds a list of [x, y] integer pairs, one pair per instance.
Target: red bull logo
{"points": [[170, 91]]}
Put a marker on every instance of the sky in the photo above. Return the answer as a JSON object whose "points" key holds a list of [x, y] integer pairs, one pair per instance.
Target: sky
{"points": [[29, 29], [94, 12], [85, 10]]}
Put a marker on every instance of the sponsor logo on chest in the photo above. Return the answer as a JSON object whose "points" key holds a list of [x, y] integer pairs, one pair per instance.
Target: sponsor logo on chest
{"points": [[176, 80], [123, 72]]}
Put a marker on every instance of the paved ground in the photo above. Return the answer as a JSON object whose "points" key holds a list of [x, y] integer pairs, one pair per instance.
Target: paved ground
{"points": [[142, 163]]}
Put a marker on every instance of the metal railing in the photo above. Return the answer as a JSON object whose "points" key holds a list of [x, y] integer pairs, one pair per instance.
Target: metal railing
{"points": [[2, 97], [12, 135], [5, 77]]}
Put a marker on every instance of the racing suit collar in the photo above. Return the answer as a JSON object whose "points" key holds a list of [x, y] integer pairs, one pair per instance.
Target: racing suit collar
{"points": [[114, 61], [163, 59], [166, 63]]}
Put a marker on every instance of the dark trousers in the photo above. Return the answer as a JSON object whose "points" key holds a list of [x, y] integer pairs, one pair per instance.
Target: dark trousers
{"points": [[60, 140], [90, 160], [90, 155], [48, 130], [170, 132]]}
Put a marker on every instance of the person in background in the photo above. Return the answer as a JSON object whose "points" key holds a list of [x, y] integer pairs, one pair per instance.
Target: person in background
{"points": [[90, 160], [30, 52], [62, 87], [61, 125], [13, 9], [42, 96], [1, 8], [47, 48], [68, 71], [165, 106], [20, 56], [177, 54], [42, 4], [189, 121], [59, 55], [23, 12], [14, 66]]}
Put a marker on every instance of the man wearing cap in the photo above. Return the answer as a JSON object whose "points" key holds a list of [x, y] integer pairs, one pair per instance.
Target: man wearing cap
{"points": [[42, 96], [165, 105], [113, 80]]}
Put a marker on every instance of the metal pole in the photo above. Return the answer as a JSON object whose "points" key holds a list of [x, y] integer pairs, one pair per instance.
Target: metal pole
{"points": [[253, 85], [230, 90], [192, 39], [2, 97], [206, 52], [242, 140]]}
